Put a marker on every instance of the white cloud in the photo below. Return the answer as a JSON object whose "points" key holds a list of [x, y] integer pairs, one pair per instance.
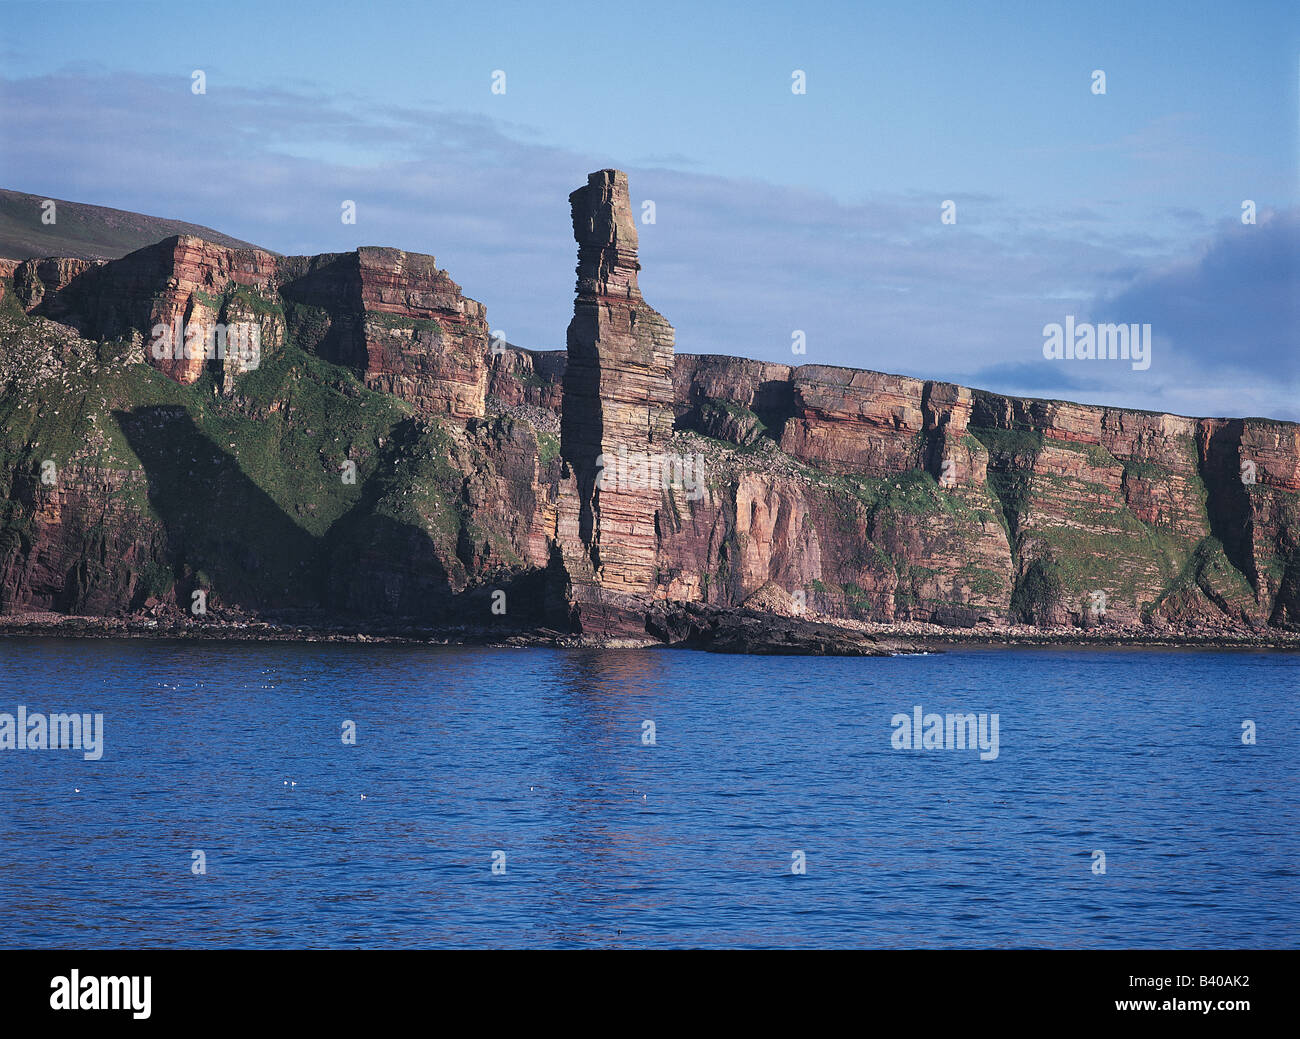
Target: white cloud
{"points": [[734, 264]]}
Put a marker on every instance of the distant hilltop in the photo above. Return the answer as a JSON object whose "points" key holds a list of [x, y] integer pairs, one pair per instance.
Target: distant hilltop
{"points": [[86, 232]]}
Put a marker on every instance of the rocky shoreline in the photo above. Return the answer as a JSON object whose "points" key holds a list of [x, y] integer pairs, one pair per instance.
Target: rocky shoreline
{"points": [[685, 626]]}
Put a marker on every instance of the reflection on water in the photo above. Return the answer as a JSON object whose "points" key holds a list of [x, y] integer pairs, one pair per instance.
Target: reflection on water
{"points": [[235, 751]]}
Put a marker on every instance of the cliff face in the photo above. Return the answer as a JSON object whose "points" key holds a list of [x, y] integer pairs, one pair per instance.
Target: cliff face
{"points": [[1038, 511], [179, 280], [528, 377], [861, 495], [396, 319], [380, 458], [393, 317]]}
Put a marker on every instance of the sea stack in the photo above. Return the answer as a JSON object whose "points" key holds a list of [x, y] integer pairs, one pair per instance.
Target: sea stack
{"points": [[618, 403]]}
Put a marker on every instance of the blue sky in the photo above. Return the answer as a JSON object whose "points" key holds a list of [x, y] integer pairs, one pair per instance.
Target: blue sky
{"points": [[775, 211]]}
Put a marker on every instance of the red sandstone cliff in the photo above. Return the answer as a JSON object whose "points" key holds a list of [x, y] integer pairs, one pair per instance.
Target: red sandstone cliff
{"points": [[393, 316], [850, 494]]}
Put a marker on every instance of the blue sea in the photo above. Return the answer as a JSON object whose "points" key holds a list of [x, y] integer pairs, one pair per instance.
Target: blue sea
{"points": [[518, 797]]}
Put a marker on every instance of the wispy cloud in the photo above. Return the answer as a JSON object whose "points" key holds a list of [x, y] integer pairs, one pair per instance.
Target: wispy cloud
{"points": [[736, 264]]}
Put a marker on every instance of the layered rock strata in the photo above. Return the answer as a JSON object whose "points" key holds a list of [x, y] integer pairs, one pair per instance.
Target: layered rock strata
{"points": [[483, 468], [393, 317], [617, 411]]}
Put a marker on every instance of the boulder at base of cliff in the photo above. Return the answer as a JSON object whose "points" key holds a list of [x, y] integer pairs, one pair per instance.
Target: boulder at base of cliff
{"points": [[718, 630]]}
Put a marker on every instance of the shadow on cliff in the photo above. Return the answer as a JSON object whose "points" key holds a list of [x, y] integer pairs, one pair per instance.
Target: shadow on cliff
{"points": [[1227, 502], [375, 566], [582, 423], [226, 535], [772, 405], [323, 310]]}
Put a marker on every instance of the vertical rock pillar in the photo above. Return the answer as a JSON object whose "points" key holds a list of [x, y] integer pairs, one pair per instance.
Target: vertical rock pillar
{"points": [[617, 412]]}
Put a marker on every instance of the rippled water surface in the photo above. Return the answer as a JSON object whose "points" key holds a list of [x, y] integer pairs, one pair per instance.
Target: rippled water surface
{"points": [[607, 841]]}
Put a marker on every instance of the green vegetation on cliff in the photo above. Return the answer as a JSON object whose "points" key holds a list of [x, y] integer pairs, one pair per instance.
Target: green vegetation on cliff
{"points": [[248, 491]]}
